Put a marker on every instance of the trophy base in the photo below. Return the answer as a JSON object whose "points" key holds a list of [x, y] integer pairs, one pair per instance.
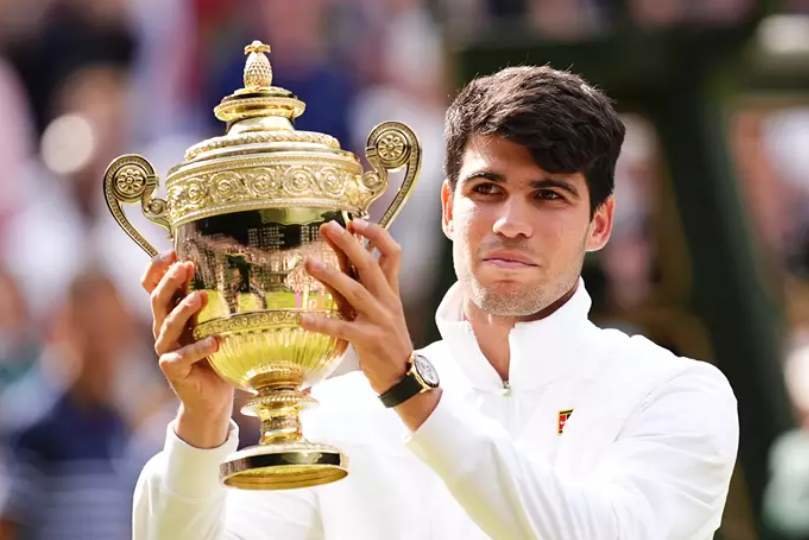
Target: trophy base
{"points": [[284, 466]]}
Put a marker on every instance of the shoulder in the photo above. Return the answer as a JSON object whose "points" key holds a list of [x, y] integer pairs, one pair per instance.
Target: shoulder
{"points": [[670, 392], [637, 360]]}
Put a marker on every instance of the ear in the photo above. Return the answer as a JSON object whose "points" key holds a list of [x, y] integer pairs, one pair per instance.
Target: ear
{"points": [[600, 228], [446, 208]]}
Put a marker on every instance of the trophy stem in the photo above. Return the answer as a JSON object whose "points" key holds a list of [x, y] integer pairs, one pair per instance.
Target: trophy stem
{"points": [[279, 408], [283, 459]]}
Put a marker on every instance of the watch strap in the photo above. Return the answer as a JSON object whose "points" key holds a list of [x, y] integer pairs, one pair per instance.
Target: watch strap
{"points": [[405, 389]]}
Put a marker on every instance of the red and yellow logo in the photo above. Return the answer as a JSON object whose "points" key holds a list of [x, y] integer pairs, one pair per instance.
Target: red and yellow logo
{"points": [[563, 416]]}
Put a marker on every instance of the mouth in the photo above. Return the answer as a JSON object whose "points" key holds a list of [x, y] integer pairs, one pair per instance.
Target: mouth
{"points": [[508, 260]]}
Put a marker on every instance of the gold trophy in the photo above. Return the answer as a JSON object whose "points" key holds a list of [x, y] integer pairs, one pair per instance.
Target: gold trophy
{"points": [[246, 208]]}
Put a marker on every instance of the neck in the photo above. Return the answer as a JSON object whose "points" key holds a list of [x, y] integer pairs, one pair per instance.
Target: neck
{"points": [[491, 331]]}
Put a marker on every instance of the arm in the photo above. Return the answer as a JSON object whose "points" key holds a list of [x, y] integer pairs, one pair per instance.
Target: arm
{"points": [[666, 476], [179, 496]]}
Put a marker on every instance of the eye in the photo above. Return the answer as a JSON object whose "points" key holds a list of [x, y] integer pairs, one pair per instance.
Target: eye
{"points": [[548, 195], [486, 188]]}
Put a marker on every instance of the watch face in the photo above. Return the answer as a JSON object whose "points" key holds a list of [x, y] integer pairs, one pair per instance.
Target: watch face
{"points": [[426, 370]]}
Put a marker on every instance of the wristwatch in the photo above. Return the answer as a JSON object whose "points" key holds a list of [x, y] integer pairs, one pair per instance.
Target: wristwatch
{"points": [[421, 377]]}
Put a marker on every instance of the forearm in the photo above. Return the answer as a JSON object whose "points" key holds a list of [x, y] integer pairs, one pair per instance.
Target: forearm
{"points": [[179, 495], [417, 409], [658, 481], [505, 492], [202, 430]]}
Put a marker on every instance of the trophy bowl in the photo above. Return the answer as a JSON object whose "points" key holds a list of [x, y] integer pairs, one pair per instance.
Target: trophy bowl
{"points": [[246, 208]]}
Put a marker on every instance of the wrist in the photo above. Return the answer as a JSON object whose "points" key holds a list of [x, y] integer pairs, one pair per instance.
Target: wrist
{"points": [[420, 376], [391, 377], [203, 431]]}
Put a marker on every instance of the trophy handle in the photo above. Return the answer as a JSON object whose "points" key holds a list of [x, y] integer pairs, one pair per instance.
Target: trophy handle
{"points": [[391, 146], [131, 178]]}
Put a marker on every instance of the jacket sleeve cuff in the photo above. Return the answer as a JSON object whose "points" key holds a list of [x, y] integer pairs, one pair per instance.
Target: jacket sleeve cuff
{"points": [[194, 472]]}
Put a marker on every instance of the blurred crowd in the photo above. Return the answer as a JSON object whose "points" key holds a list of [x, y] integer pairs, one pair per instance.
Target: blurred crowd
{"points": [[82, 403]]}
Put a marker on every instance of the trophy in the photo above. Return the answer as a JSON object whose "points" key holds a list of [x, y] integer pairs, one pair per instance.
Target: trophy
{"points": [[246, 208]]}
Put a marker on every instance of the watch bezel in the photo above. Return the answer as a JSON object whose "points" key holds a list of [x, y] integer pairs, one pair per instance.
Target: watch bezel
{"points": [[420, 365]]}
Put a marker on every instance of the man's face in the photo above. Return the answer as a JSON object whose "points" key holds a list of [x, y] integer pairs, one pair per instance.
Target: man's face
{"points": [[519, 233]]}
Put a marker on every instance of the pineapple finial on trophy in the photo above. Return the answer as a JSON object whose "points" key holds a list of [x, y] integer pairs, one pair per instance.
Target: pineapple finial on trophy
{"points": [[257, 70]]}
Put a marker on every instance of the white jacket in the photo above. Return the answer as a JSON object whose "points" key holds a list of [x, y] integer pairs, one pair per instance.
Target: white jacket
{"points": [[646, 453]]}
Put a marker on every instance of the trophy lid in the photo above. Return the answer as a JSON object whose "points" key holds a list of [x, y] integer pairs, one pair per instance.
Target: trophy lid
{"points": [[262, 161], [259, 107]]}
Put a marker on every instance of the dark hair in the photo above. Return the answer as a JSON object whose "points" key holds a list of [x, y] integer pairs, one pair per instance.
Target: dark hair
{"points": [[566, 124]]}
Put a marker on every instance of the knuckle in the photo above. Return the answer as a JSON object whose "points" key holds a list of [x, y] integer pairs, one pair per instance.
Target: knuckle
{"points": [[201, 349], [189, 303], [146, 281], [165, 362]]}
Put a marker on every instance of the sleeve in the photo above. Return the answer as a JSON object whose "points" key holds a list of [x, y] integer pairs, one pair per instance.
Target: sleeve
{"points": [[179, 496], [665, 476]]}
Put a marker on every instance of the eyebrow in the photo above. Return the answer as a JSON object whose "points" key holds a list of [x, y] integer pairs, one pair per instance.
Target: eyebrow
{"points": [[536, 184]]}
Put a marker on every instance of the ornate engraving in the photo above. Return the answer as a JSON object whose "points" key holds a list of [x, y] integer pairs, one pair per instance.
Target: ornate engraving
{"points": [[257, 70], [283, 136], [252, 322], [299, 180], [311, 184], [130, 181], [392, 146], [131, 178]]}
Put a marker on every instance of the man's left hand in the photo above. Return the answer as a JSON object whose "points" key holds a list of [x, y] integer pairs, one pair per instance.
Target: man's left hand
{"points": [[379, 331]]}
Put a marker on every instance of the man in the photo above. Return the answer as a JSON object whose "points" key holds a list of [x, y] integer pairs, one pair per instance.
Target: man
{"points": [[542, 426]]}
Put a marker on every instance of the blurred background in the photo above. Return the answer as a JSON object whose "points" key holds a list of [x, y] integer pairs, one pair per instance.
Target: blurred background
{"points": [[710, 253]]}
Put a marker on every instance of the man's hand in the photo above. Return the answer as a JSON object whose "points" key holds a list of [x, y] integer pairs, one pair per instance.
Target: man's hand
{"points": [[206, 401], [379, 332]]}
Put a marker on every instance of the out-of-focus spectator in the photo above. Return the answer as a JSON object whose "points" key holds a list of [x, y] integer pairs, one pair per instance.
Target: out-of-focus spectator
{"points": [[19, 346], [68, 35], [787, 496], [301, 61], [71, 473], [413, 90], [669, 13], [16, 137], [62, 218]]}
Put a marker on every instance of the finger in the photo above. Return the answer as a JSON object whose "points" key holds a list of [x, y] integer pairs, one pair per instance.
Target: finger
{"points": [[176, 365], [175, 324], [348, 331], [370, 274], [157, 267], [164, 296], [351, 290], [345, 309], [389, 249]]}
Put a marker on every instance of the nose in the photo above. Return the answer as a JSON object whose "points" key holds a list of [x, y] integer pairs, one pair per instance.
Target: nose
{"points": [[513, 220]]}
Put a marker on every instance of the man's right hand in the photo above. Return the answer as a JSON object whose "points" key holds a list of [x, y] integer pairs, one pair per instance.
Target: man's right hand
{"points": [[206, 400]]}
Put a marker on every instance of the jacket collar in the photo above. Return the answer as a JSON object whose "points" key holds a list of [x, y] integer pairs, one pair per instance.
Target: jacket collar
{"points": [[540, 351]]}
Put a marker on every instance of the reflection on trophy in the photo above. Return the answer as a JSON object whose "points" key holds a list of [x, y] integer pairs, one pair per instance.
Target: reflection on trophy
{"points": [[246, 208]]}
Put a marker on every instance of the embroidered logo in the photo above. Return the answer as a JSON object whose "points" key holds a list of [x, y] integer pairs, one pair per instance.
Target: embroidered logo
{"points": [[563, 416]]}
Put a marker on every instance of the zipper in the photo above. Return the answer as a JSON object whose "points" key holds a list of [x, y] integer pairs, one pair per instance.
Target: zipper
{"points": [[506, 388]]}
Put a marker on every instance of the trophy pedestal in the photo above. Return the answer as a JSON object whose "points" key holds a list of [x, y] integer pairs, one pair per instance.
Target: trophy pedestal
{"points": [[284, 466], [283, 459]]}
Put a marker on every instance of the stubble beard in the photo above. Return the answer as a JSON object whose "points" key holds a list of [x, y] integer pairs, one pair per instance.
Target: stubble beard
{"points": [[513, 299]]}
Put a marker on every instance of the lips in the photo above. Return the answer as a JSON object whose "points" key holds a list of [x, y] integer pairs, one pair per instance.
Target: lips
{"points": [[508, 259]]}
